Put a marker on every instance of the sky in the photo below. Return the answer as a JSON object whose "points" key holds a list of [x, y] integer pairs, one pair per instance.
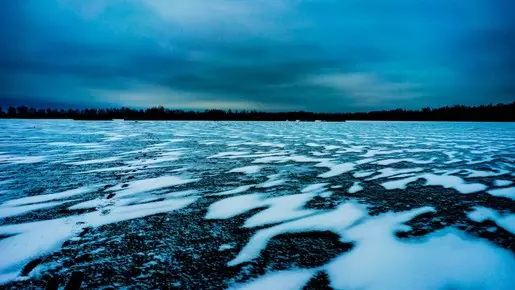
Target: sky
{"points": [[269, 55]]}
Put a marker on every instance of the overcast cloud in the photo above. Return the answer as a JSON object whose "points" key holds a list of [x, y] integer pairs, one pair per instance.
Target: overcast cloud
{"points": [[277, 55]]}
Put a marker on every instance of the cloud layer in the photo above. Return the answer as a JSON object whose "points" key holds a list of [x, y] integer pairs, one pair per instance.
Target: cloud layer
{"points": [[323, 55]]}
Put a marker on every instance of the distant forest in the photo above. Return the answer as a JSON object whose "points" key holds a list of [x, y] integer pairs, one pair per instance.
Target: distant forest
{"points": [[499, 112]]}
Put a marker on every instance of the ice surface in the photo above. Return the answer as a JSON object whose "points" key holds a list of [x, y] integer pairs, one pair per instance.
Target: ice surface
{"points": [[182, 193], [150, 184], [479, 161], [501, 182], [272, 182], [53, 196], [128, 212], [410, 160], [399, 183], [149, 171], [225, 247], [262, 144], [315, 188], [356, 187], [110, 169], [73, 144], [7, 181], [94, 161], [478, 173], [279, 209], [85, 151], [365, 161], [446, 181], [283, 280], [229, 153], [8, 211], [335, 169], [316, 153], [382, 261], [481, 214], [12, 159], [374, 152], [238, 189], [508, 192], [252, 169], [284, 159], [30, 240], [233, 206], [90, 204], [335, 220], [361, 174], [388, 172], [163, 157]]}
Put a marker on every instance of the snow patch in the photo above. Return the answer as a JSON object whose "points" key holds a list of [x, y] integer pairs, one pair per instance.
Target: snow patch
{"points": [[12, 159], [49, 197], [335, 220], [480, 214], [389, 172], [335, 169], [410, 160], [27, 241], [284, 280], [150, 184], [448, 257], [279, 209], [446, 181], [500, 182], [94, 161], [508, 192], [356, 187], [252, 169], [238, 189]]}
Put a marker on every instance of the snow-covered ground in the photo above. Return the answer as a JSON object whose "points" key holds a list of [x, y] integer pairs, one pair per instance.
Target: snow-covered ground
{"points": [[269, 205]]}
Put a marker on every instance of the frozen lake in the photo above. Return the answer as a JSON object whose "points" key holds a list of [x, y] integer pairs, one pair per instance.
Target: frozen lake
{"points": [[270, 205]]}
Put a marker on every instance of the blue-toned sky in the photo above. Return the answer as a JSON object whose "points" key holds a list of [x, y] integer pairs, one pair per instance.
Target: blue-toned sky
{"points": [[277, 55]]}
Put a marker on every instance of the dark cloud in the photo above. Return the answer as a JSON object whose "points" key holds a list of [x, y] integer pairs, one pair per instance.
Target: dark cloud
{"points": [[311, 55]]}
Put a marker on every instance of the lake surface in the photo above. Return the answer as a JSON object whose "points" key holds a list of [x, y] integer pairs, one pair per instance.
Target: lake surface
{"points": [[277, 205]]}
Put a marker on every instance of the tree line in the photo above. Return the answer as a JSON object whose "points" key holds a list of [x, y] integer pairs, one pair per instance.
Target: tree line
{"points": [[498, 112]]}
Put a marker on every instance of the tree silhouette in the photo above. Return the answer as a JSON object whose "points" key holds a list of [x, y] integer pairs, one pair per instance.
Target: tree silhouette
{"points": [[499, 112]]}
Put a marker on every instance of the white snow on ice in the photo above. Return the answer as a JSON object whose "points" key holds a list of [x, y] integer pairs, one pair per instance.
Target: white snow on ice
{"points": [[150, 184], [388, 172], [356, 187], [335, 169], [446, 181], [94, 161], [12, 159], [380, 260], [278, 209], [27, 241], [508, 192], [481, 214], [335, 220], [501, 182], [410, 160], [48, 197], [315, 188], [448, 257], [282, 280], [236, 190], [9, 211], [252, 169]]}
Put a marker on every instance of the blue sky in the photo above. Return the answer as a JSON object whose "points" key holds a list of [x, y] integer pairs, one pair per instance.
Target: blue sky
{"points": [[274, 55]]}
